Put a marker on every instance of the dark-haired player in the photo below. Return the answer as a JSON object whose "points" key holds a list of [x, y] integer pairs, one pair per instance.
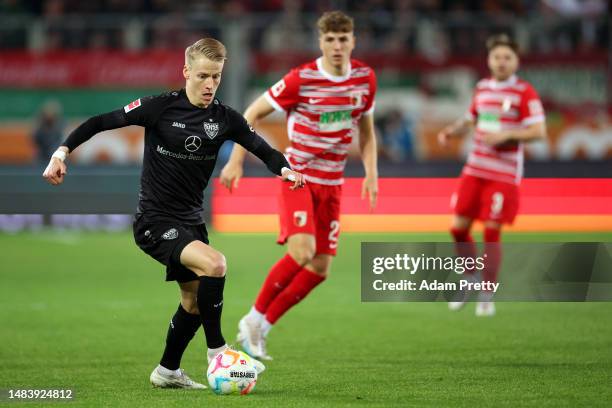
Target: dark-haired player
{"points": [[506, 112], [328, 102]]}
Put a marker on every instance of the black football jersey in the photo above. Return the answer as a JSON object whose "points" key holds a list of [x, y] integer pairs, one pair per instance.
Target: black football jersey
{"points": [[182, 142]]}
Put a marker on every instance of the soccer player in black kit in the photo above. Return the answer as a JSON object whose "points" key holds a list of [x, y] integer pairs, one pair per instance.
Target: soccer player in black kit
{"points": [[183, 133]]}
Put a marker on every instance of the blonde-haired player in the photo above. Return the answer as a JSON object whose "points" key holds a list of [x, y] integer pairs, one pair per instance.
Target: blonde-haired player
{"points": [[184, 131]]}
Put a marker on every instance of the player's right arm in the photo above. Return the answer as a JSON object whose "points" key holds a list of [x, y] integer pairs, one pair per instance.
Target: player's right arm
{"points": [[461, 126], [457, 129], [56, 169], [142, 112], [233, 169]]}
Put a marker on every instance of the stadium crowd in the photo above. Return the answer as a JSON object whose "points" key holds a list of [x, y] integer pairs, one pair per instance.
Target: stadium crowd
{"points": [[276, 25]]}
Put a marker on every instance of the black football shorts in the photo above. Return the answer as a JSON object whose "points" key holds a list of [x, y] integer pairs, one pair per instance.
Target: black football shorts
{"points": [[164, 241]]}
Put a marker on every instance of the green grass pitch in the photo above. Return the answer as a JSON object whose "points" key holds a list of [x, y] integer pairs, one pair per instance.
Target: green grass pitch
{"points": [[89, 311]]}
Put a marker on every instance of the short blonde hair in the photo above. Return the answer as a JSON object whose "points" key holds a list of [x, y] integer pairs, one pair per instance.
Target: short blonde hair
{"points": [[335, 22], [210, 48]]}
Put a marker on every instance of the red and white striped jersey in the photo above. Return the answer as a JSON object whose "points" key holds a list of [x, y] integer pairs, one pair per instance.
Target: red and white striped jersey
{"points": [[498, 106], [323, 113]]}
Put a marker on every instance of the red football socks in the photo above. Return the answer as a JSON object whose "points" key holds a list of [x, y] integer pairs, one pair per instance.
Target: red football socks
{"points": [[464, 245], [494, 253], [300, 286], [461, 235], [279, 277]]}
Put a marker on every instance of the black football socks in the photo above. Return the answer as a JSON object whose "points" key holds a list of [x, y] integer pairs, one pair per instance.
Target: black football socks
{"points": [[183, 326], [210, 304]]}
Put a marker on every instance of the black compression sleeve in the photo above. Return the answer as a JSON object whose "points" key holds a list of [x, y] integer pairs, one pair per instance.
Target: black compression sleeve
{"points": [[273, 159], [112, 120], [246, 136]]}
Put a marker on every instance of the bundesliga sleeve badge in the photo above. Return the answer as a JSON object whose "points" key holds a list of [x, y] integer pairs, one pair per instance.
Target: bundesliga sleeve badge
{"points": [[132, 105]]}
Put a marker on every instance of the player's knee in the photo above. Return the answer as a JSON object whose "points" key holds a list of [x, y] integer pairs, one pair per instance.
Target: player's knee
{"points": [[190, 305], [302, 254], [217, 266], [322, 271], [461, 223], [321, 266]]}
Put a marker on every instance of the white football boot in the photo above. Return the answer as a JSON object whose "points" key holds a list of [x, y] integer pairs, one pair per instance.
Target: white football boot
{"points": [[485, 306], [263, 349], [460, 299], [249, 336], [485, 309], [174, 380]]}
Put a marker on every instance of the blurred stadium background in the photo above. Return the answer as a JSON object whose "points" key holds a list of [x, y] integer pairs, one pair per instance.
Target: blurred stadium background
{"points": [[62, 61], [81, 306]]}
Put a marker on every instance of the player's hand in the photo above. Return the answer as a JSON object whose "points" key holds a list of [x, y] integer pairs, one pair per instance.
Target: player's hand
{"points": [[298, 178], [443, 137], [369, 188], [55, 171], [231, 175], [497, 138]]}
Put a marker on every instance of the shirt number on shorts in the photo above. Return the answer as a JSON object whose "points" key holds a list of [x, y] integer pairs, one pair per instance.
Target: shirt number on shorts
{"points": [[333, 234], [497, 203]]}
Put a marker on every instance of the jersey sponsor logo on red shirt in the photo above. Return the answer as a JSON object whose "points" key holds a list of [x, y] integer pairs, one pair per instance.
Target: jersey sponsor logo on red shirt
{"points": [[131, 106]]}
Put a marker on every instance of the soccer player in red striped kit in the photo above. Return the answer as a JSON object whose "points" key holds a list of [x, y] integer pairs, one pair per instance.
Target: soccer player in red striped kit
{"points": [[506, 112], [327, 101]]}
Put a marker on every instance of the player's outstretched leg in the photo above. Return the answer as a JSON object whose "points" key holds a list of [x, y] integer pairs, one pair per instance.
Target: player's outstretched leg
{"points": [[306, 280], [209, 264], [464, 247], [492, 232], [301, 249], [183, 326], [249, 327]]}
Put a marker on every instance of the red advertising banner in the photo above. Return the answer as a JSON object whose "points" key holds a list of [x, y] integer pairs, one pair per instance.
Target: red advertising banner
{"points": [[91, 69], [422, 205]]}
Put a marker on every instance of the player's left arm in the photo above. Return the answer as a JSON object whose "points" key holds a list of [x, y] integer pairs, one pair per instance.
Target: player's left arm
{"points": [[535, 131], [367, 146], [368, 149], [274, 160]]}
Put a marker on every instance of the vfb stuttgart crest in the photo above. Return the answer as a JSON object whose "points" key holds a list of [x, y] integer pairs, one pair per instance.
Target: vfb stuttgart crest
{"points": [[211, 129]]}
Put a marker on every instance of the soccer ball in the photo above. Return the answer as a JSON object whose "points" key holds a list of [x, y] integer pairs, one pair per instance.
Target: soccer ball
{"points": [[232, 372]]}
